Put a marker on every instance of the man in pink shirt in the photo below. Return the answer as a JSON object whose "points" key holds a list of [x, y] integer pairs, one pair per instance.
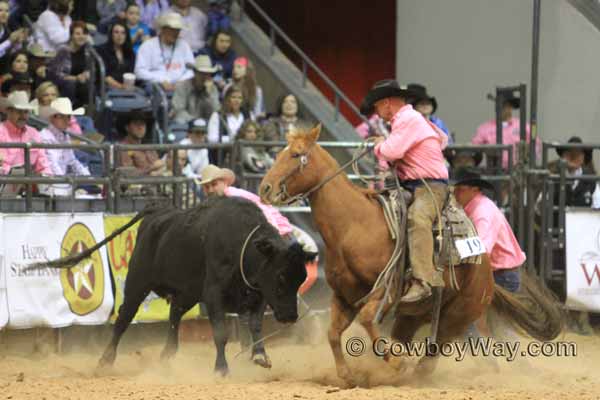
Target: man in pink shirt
{"points": [[16, 130], [486, 133], [414, 148], [492, 227], [217, 182]]}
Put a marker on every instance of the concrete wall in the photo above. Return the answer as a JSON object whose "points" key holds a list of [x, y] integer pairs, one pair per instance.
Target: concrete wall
{"points": [[462, 49]]}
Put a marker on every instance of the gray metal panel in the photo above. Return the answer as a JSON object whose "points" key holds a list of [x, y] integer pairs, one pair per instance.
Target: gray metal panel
{"points": [[590, 9]]}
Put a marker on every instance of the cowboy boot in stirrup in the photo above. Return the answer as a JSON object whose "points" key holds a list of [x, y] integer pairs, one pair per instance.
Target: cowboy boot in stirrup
{"points": [[418, 290]]}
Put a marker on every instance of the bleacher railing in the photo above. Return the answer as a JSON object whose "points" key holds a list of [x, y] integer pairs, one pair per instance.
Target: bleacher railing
{"points": [[274, 32]]}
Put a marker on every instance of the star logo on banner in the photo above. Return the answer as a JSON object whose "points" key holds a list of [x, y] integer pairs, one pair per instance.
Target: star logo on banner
{"points": [[83, 284], [81, 277]]}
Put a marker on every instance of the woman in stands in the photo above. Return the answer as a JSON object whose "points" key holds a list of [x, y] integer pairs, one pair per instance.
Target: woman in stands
{"points": [[18, 63], [221, 53], [223, 125], [287, 117], [9, 41], [68, 69], [53, 26], [118, 55], [254, 159], [244, 75], [45, 94]]}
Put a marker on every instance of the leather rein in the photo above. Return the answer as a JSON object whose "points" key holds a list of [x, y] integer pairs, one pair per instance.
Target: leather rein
{"points": [[303, 162]]}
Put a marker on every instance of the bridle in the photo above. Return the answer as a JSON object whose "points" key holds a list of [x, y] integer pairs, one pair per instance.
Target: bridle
{"points": [[303, 162]]}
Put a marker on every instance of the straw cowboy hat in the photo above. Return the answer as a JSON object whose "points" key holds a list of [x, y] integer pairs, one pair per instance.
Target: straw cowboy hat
{"points": [[19, 100], [212, 172], [171, 20], [62, 106], [203, 64], [382, 90], [471, 176], [38, 51]]}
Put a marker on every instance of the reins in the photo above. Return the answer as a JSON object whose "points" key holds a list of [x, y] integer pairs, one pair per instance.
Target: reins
{"points": [[303, 162]]}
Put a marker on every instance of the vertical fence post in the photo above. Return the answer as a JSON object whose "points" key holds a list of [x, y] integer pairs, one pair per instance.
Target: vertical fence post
{"points": [[535, 51], [28, 188]]}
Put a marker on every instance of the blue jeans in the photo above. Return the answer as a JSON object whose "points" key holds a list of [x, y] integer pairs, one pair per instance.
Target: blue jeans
{"points": [[509, 279]]}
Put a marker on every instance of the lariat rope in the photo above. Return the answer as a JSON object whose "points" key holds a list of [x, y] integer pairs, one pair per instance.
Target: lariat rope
{"points": [[242, 258]]}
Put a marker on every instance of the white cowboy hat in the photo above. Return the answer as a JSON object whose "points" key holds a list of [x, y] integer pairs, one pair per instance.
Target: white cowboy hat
{"points": [[19, 100], [212, 172], [202, 63], [171, 20], [61, 105]]}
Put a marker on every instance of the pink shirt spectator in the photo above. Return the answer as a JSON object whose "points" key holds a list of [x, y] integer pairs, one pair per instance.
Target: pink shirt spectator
{"points": [[274, 217], [486, 134], [495, 232], [417, 144], [9, 133]]}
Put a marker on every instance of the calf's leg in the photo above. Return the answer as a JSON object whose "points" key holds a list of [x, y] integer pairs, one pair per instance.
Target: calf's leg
{"points": [[216, 315], [179, 306], [259, 355], [132, 298]]}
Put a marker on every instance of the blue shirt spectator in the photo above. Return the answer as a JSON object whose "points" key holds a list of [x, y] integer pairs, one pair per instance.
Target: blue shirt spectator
{"points": [[221, 54], [138, 31]]}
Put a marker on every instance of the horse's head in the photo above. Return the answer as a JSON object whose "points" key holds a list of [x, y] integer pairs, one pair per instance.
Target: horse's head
{"points": [[295, 170]]}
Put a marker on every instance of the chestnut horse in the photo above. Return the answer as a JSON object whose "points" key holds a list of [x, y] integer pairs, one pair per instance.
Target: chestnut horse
{"points": [[358, 246]]}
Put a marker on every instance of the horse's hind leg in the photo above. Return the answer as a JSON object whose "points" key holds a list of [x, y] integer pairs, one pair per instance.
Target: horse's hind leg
{"points": [[342, 316]]}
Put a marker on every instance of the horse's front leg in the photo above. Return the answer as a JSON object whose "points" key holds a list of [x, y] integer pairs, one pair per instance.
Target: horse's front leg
{"points": [[366, 317], [342, 316]]}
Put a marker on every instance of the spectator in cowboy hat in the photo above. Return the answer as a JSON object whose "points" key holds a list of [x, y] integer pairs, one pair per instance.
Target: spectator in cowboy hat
{"points": [[146, 162], [59, 114], [492, 227], [458, 158], [18, 82], [163, 59], [15, 130], [197, 97], [217, 181], [427, 106], [38, 61], [578, 162], [486, 132]]}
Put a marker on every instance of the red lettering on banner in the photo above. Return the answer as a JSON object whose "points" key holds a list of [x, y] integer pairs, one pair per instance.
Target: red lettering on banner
{"points": [[595, 272]]}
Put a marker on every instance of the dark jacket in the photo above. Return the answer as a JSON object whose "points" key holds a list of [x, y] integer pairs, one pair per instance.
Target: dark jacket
{"points": [[581, 195], [114, 68]]}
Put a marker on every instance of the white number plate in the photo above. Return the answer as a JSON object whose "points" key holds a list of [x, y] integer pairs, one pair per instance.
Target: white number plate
{"points": [[468, 247]]}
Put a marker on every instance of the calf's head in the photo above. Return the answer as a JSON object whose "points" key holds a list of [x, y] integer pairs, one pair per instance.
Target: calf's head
{"points": [[282, 272]]}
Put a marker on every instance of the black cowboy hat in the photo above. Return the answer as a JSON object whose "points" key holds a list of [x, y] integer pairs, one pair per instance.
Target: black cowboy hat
{"points": [[21, 78], [124, 119], [586, 151], [382, 90], [451, 154], [470, 176], [419, 93]]}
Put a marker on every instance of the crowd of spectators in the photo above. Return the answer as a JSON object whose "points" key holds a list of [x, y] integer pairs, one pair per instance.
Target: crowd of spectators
{"points": [[212, 91]]}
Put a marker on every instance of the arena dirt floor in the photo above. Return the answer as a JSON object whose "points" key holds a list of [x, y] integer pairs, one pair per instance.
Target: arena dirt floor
{"points": [[300, 371]]}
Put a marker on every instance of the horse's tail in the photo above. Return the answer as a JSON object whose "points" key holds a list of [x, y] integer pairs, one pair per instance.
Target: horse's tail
{"points": [[534, 308], [73, 259]]}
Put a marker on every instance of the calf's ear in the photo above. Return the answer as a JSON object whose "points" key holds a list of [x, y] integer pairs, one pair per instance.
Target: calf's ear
{"points": [[265, 246]]}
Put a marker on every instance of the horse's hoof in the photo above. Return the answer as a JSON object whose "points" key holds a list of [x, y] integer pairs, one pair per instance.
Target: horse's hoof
{"points": [[425, 367], [166, 355], [399, 364], [348, 378], [262, 359]]}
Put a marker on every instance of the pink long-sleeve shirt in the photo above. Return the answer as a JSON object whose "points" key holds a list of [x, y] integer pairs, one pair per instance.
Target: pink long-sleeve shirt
{"points": [[486, 134], [495, 232], [274, 217], [417, 144], [9, 133]]}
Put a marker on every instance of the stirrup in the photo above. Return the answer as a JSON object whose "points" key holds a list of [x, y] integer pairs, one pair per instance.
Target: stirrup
{"points": [[422, 293]]}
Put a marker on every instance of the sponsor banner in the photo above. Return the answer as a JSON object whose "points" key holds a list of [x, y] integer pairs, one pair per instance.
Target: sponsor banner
{"points": [[583, 259], [120, 249], [55, 297], [3, 300]]}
